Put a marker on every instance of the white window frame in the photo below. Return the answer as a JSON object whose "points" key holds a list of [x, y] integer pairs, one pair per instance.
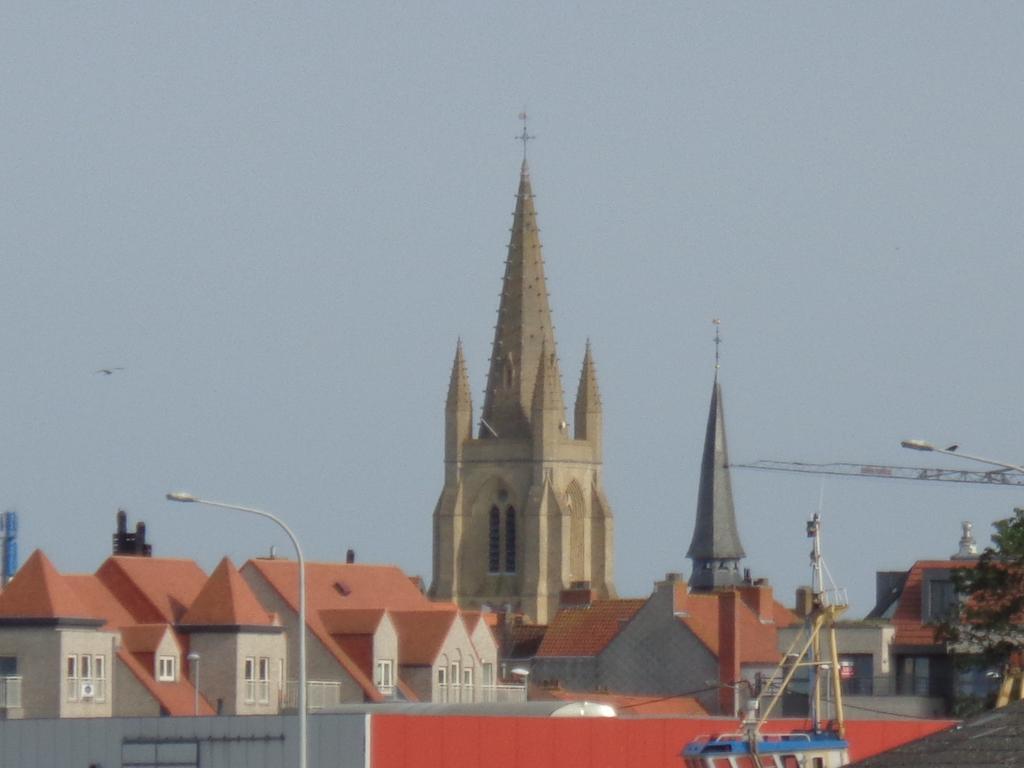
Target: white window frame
{"points": [[71, 676], [166, 669], [454, 677], [467, 677], [263, 679], [385, 674], [99, 677], [249, 675]]}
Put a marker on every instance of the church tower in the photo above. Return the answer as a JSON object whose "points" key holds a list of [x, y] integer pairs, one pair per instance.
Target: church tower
{"points": [[715, 548], [522, 514]]}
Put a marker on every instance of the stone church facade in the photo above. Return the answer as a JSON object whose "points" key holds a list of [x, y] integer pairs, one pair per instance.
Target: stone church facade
{"points": [[523, 513]]}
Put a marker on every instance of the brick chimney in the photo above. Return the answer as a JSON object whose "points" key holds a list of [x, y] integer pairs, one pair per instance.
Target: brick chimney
{"points": [[675, 585], [758, 598], [578, 595], [728, 649]]}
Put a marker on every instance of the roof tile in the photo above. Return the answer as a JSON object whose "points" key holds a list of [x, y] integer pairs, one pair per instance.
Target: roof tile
{"points": [[587, 630], [39, 591], [226, 600]]}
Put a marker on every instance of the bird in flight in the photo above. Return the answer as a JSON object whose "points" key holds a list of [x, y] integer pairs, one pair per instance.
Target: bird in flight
{"points": [[108, 371]]}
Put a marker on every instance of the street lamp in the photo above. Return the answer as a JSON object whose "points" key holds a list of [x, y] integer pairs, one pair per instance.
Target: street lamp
{"points": [[524, 674], [924, 445], [188, 498], [193, 664]]}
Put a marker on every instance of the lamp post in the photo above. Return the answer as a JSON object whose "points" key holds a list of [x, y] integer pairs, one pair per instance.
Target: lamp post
{"points": [[924, 445], [188, 498], [193, 663], [524, 674]]}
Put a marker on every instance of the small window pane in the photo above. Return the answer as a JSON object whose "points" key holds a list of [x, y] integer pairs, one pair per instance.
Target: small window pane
{"points": [[494, 541], [510, 540]]}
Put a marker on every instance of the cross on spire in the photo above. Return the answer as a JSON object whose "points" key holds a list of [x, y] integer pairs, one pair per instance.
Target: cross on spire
{"points": [[718, 340], [524, 136]]}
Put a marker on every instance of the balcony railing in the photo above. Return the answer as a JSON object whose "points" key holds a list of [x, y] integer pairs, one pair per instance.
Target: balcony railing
{"points": [[10, 692], [320, 694], [487, 694]]}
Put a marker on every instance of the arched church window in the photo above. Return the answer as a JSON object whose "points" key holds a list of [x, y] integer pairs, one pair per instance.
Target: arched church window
{"points": [[494, 541], [510, 540]]}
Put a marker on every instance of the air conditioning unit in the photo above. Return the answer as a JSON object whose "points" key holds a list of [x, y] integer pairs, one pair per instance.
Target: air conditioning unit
{"points": [[88, 690]]}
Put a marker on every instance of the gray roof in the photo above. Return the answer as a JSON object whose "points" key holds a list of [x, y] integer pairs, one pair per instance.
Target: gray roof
{"points": [[995, 738], [716, 540]]}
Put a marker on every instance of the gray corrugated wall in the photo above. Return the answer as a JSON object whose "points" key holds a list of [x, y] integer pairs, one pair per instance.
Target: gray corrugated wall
{"points": [[335, 741]]}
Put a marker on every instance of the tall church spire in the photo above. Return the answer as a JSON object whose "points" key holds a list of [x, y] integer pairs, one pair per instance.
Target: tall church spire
{"points": [[715, 548], [523, 513], [524, 327]]}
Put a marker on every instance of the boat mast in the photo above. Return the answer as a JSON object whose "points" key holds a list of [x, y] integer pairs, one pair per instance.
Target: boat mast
{"points": [[807, 651]]}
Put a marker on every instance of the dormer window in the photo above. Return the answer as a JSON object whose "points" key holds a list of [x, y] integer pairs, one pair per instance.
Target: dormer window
{"points": [[166, 669], [938, 596]]}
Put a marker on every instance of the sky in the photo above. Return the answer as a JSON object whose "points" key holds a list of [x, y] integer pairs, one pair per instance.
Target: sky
{"points": [[279, 219]]}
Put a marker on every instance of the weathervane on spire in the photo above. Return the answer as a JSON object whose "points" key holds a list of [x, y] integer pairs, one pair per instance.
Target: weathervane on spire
{"points": [[718, 339], [524, 136]]}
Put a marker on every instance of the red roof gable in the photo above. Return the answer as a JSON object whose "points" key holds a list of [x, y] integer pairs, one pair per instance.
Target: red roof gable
{"points": [[908, 617], [587, 630], [153, 590], [38, 591], [421, 634], [226, 600]]}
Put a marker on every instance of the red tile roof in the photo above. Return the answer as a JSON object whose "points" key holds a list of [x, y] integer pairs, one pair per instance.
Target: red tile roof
{"points": [[354, 621], [758, 642], [226, 600], [521, 641], [337, 586], [152, 589], [38, 591], [99, 600], [421, 634], [174, 698], [908, 617], [345, 585], [587, 630], [143, 638]]}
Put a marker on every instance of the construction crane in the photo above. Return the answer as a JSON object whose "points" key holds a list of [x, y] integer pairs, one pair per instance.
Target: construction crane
{"points": [[995, 477]]}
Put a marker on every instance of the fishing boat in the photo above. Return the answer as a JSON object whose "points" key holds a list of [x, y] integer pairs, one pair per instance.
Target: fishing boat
{"points": [[813, 651]]}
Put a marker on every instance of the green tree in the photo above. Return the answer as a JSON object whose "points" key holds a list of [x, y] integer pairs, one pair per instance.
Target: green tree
{"points": [[988, 619]]}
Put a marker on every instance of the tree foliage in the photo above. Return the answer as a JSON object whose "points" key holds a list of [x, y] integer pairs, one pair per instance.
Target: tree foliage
{"points": [[988, 619]]}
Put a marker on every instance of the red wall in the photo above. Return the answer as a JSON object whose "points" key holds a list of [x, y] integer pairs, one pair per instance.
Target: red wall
{"points": [[425, 741]]}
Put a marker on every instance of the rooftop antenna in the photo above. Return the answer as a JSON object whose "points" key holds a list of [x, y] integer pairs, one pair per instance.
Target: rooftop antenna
{"points": [[525, 136]]}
